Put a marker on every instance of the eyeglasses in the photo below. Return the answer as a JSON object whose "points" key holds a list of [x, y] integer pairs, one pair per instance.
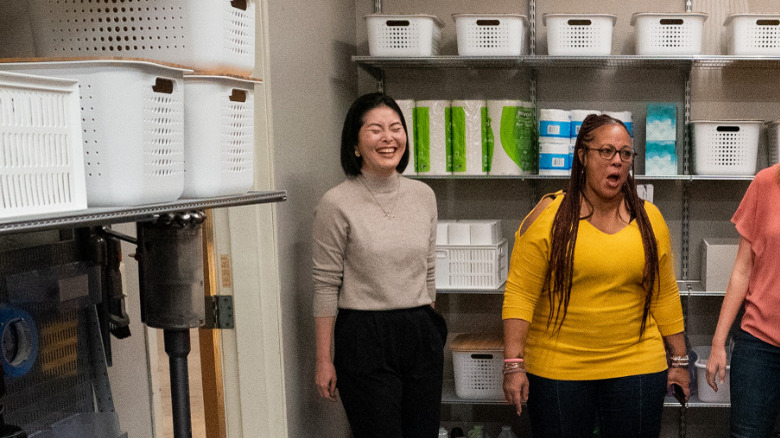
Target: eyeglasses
{"points": [[608, 152]]}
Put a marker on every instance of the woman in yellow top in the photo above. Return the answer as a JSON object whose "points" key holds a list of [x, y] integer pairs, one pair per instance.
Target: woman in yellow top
{"points": [[590, 300]]}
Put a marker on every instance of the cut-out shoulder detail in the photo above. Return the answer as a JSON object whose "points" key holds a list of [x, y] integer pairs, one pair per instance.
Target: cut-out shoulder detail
{"points": [[537, 210]]}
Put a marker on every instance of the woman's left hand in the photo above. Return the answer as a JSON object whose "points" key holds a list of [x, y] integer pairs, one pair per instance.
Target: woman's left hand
{"points": [[681, 377]]}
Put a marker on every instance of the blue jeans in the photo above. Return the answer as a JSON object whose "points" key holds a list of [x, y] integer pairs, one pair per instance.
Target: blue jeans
{"points": [[625, 407], [755, 387]]}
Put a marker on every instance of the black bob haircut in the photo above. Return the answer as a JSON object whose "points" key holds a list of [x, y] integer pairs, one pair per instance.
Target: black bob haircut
{"points": [[354, 121]]}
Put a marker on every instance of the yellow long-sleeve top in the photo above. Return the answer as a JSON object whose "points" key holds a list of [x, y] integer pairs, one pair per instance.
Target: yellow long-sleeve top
{"points": [[599, 338]]}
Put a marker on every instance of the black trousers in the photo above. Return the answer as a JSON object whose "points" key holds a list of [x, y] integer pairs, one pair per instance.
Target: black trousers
{"points": [[389, 370]]}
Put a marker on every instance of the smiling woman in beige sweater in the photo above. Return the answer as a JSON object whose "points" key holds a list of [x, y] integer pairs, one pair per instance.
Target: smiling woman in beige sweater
{"points": [[374, 243]]}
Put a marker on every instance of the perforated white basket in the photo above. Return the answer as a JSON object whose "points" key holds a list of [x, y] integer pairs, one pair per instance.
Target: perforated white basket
{"points": [[41, 161], [727, 147], [773, 141], [218, 136], [477, 362], [579, 34], [472, 267], [132, 128], [403, 35], [668, 33], [491, 34], [753, 34], [213, 35]]}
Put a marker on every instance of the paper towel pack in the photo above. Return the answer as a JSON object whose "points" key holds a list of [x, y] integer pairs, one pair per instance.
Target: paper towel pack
{"points": [[513, 127], [407, 109], [432, 132], [469, 137]]}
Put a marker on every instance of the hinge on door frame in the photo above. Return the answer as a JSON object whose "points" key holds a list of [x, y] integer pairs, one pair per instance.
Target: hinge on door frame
{"points": [[219, 312]]}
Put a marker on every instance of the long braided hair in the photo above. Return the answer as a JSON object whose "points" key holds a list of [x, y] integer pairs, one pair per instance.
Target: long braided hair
{"points": [[566, 224]]}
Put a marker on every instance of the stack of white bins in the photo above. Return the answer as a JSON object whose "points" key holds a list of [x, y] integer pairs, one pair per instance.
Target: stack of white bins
{"points": [[470, 255], [149, 135], [132, 123]]}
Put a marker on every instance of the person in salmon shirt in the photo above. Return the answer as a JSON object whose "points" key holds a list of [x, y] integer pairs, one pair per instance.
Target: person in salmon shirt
{"points": [[754, 283], [591, 301]]}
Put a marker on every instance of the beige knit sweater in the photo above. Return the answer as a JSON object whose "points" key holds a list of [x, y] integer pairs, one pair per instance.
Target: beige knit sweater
{"points": [[364, 260]]}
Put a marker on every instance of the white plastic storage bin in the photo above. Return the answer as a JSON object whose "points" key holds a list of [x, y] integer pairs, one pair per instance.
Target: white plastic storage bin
{"points": [[727, 147], [705, 392], [218, 135], [477, 362], [472, 267], [491, 34], [753, 34], [403, 35], [668, 33], [41, 158], [773, 141], [579, 34], [132, 128], [213, 35]]}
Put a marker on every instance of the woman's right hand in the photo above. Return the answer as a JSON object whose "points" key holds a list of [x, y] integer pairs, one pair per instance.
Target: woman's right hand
{"points": [[325, 378], [716, 366], [516, 390]]}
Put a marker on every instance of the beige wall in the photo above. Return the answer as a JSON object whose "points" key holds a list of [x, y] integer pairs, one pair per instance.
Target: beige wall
{"points": [[312, 83]]}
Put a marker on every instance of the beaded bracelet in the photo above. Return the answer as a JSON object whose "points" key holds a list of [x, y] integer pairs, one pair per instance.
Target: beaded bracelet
{"points": [[514, 370], [680, 361], [513, 367]]}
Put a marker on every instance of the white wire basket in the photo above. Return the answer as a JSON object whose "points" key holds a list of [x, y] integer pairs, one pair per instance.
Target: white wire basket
{"points": [[579, 34], [477, 362], [773, 141], [753, 34], [668, 33], [491, 34], [472, 267], [41, 158], [132, 128], [218, 135], [403, 35], [213, 35], [727, 147]]}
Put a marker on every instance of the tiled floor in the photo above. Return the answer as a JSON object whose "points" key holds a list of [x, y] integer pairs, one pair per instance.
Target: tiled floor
{"points": [[196, 388]]}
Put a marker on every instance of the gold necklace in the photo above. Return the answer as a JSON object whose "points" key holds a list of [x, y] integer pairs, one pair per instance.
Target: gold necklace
{"points": [[388, 213]]}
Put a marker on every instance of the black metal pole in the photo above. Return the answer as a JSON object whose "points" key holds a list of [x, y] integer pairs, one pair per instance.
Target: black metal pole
{"points": [[177, 346]]}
